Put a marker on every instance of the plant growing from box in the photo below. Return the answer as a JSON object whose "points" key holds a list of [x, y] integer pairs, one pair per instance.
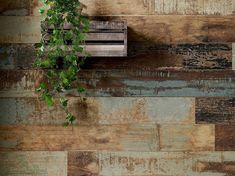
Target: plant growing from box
{"points": [[61, 74]]}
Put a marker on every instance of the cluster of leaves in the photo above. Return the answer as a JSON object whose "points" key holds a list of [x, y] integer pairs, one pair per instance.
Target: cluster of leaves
{"points": [[57, 42]]}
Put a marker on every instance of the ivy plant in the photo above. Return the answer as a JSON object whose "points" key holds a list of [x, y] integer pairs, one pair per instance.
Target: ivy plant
{"points": [[58, 50]]}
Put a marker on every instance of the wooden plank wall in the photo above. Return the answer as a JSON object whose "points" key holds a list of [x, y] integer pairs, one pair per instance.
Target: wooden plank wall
{"points": [[167, 109]]}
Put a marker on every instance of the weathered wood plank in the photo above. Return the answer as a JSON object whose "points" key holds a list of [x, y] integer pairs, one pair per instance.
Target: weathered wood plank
{"points": [[187, 137], [131, 137], [33, 163], [233, 56], [166, 163], [145, 56], [157, 29], [173, 83], [99, 110], [215, 110], [225, 137], [82, 163], [15, 7], [194, 7]]}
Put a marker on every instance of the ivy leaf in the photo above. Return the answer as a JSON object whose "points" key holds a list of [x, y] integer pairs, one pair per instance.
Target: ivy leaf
{"points": [[64, 102], [70, 118], [81, 90], [41, 10], [41, 87], [49, 100]]}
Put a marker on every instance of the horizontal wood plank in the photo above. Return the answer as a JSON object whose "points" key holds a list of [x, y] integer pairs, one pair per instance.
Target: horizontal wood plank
{"points": [[215, 110], [145, 56], [119, 83], [99, 110], [233, 56], [225, 137], [33, 163], [15, 7], [192, 137], [157, 29], [152, 163]]}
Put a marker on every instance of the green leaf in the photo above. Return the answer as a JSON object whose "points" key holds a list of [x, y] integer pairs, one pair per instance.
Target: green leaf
{"points": [[49, 100], [81, 90], [41, 10], [64, 102], [70, 118]]}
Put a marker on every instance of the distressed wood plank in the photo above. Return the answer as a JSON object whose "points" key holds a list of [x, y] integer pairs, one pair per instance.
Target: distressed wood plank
{"points": [[15, 7], [157, 28], [194, 7], [173, 83], [187, 137], [166, 163], [131, 137], [82, 163], [99, 110], [225, 137], [33, 163], [215, 110], [144, 55]]}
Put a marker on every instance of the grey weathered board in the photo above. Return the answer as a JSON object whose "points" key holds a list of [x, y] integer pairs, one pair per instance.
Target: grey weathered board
{"points": [[99, 110], [144, 55], [174, 83]]}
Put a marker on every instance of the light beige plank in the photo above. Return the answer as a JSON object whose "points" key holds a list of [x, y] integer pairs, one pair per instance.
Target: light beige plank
{"points": [[33, 163], [99, 110], [187, 137], [195, 7]]}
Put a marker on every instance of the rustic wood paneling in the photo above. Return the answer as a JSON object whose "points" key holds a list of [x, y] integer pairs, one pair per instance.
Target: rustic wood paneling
{"points": [[191, 137], [99, 110], [215, 110], [131, 137], [33, 163], [157, 29], [233, 56], [144, 55], [130, 82], [195, 7], [225, 137], [160, 163], [15, 7]]}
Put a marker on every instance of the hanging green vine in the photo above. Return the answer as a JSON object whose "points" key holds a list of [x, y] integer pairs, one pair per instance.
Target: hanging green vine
{"points": [[61, 47]]}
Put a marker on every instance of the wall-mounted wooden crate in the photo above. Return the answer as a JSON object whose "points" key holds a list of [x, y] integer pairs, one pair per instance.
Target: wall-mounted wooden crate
{"points": [[106, 38]]}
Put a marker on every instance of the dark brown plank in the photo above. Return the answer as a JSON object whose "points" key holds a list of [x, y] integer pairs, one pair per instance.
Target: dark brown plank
{"points": [[144, 55], [225, 137], [175, 83], [15, 7], [215, 110]]}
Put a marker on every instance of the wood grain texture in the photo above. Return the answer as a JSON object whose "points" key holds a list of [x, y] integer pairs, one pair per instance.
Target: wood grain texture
{"points": [[131, 137], [166, 163], [15, 7], [195, 7], [99, 110], [191, 137], [157, 29], [144, 55], [33, 163], [225, 137], [233, 56], [119, 83], [215, 110]]}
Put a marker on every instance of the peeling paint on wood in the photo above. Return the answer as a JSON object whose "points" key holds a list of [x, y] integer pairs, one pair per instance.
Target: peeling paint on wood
{"points": [[129, 137], [99, 110], [215, 110], [119, 83], [33, 163], [194, 7], [225, 138], [192, 29], [187, 137]]}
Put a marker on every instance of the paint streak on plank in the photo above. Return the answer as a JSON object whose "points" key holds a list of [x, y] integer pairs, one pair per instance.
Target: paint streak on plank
{"points": [[166, 163], [225, 137], [99, 110], [131, 137], [191, 137], [192, 29], [195, 7], [145, 55], [22, 83], [215, 110], [33, 163]]}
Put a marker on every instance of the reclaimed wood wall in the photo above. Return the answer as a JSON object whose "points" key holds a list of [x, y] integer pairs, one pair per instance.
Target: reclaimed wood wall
{"points": [[168, 109]]}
